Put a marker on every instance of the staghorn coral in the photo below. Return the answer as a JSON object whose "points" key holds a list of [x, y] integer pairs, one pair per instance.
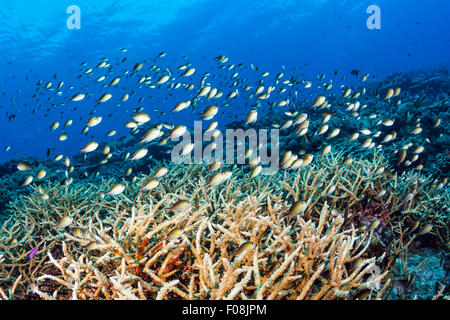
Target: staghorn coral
{"points": [[125, 247]]}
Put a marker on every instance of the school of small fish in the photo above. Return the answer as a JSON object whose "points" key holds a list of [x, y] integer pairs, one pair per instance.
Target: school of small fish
{"points": [[209, 97]]}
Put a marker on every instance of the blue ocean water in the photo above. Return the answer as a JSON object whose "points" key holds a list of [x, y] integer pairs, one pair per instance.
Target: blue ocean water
{"points": [[313, 36]]}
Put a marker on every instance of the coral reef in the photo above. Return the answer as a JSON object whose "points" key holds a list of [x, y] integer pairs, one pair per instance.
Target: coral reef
{"points": [[421, 276], [237, 240], [424, 99]]}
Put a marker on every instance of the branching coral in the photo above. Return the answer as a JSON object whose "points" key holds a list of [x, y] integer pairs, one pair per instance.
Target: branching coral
{"points": [[233, 241]]}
